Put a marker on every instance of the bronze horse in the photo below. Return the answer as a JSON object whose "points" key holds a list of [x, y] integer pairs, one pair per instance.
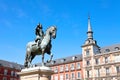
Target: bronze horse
{"points": [[44, 47]]}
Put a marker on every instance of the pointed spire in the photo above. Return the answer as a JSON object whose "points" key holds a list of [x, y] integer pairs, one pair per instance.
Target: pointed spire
{"points": [[89, 25], [90, 39], [89, 33]]}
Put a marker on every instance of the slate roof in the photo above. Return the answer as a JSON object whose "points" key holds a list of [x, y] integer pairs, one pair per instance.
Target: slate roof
{"points": [[11, 65], [65, 60], [111, 48]]}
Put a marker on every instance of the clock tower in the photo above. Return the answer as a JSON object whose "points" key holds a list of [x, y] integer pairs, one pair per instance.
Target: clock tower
{"points": [[89, 48]]}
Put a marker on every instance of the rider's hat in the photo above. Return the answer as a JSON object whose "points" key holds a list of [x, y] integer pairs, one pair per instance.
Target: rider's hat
{"points": [[39, 25]]}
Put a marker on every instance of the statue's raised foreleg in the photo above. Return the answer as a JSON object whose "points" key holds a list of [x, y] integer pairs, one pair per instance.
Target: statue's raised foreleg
{"points": [[51, 56]]}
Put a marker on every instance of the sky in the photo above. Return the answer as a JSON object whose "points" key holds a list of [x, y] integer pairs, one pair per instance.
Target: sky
{"points": [[19, 18]]}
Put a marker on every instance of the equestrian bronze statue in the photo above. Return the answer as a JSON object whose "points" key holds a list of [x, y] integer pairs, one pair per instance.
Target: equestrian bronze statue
{"points": [[40, 46]]}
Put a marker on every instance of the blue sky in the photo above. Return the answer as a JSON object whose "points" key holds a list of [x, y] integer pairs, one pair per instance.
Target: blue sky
{"points": [[18, 20]]}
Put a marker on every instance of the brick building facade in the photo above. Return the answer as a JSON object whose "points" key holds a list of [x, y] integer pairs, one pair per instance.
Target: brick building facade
{"points": [[94, 63], [69, 68], [8, 70]]}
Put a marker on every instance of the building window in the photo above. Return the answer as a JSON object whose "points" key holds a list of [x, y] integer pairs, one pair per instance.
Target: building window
{"points": [[61, 77], [56, 69], [72, 66], [97, 61], [4, 78], [11, 78], [56, 77], [88, 74], [97, 73], [12, 73], [15, 74], [72, 75], [87, 52], [88, 63], [5, 72], [67, 77], [66, 67], [117, 58], [78, 75], [61, 68], [107, 71], [118, 69], [107, 50], [106, 59], [78, 65], [117, 48]]}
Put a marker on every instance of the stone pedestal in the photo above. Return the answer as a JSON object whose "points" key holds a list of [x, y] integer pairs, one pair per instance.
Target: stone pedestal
{"points": [[36, 73]]}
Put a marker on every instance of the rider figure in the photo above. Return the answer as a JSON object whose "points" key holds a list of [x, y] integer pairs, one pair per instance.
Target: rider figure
{"points": [[39, 34]]}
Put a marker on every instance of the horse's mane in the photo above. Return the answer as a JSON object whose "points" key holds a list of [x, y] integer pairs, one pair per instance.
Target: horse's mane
{"points": [[50, 27]]}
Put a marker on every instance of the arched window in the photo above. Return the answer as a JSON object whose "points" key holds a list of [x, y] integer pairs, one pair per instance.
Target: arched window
{"points": [[117, 48]]}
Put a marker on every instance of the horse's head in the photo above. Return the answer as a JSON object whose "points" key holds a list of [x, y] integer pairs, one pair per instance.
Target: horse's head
{"points": [[52, 31]]}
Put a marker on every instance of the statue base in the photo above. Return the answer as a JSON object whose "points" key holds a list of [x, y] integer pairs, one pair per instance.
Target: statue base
{"points": [[36, 73]]}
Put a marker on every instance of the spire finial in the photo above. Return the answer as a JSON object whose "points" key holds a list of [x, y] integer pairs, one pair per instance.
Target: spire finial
{"points": [[88, 15]]}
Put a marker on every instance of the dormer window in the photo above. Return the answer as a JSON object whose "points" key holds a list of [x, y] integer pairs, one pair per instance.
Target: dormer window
{"points": [[0, 64], [62, 60], [117, 48], [11, 65], [52, 62], [74, 57], [107, 50]]}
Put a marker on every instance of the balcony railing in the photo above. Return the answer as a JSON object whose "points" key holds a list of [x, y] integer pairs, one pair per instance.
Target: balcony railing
{"points": [[78, 67], [109, 62], [72, 68], [66, 69]]}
